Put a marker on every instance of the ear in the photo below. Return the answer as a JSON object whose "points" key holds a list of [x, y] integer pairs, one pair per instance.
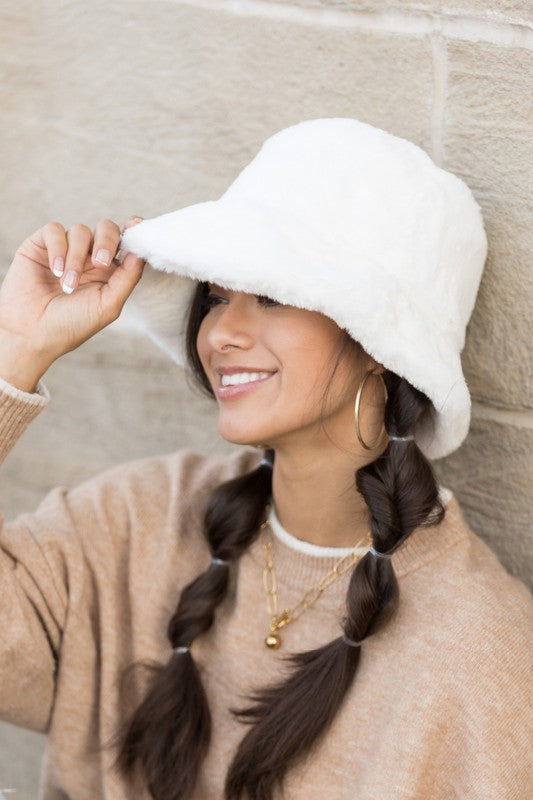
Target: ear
{"points": [[376, 366]]}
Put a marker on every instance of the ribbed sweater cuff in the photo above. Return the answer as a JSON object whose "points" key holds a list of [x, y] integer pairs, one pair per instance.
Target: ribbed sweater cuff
{"points": [[17, 410]]}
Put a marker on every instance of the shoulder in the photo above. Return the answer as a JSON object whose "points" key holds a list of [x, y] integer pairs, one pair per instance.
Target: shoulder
{"points": [[151, 493], [134, 511], [155, 482]]}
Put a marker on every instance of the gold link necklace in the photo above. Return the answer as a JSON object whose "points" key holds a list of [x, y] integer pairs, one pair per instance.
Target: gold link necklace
{"points": [[278, 621]]}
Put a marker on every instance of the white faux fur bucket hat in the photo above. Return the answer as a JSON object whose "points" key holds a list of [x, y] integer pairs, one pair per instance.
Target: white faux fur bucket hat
{"points": [[337, 216]]}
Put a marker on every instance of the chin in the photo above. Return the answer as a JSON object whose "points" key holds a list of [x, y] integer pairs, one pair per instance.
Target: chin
{"points": [[235, 438], [237, 435]]}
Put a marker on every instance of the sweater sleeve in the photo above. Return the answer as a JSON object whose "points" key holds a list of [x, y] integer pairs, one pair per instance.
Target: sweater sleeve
{"points": [[29, 623], [17, 410], [74, 572]]}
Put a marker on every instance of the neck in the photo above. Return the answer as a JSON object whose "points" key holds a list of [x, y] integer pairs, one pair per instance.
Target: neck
{"points": [[315, 496]]}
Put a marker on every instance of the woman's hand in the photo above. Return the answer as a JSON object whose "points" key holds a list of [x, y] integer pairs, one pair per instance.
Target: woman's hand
{"points": [[58, 293]]}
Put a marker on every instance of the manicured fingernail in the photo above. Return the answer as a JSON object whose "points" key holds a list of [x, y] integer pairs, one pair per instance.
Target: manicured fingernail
{"points": [[58, 267], [70, 282], [102, 256]]}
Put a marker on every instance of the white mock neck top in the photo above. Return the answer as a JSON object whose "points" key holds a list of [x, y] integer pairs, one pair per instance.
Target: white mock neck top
{"points": [[319, 551]]}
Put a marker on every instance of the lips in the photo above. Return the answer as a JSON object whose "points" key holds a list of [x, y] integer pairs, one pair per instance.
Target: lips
{"points": [[227, 370]]}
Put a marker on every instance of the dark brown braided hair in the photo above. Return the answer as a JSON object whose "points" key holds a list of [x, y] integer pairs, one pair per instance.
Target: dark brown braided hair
{"points": [[168, 735]]}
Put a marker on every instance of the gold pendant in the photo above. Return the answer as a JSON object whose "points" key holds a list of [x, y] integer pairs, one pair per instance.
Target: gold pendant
{"points": [[273, 641]]}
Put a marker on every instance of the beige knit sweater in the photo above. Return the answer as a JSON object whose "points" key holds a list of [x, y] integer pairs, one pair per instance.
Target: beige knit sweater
{"points": [[441, 706]]}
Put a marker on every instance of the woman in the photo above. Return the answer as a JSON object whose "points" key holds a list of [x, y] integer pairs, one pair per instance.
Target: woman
{"points": [[339, 605]]}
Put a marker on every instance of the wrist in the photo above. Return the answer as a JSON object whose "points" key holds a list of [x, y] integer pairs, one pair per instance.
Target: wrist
{"points": [[21, 365]]}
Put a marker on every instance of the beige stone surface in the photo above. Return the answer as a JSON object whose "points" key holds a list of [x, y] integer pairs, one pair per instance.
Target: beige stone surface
{"points": [[508, 10], [487, 141], [21, 752]]}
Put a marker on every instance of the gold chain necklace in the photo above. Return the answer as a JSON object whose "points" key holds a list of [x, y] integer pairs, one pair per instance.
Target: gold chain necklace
{"points": [[273, 639]]}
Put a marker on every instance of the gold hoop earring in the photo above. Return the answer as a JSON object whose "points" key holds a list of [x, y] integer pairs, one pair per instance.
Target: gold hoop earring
{"points": [[357, 404]]}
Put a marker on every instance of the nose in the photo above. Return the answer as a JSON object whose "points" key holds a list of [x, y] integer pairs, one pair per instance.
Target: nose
{"points": [[230, 325]]}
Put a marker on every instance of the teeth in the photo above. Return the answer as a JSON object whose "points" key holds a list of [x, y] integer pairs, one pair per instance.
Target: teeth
{"points": [[243, 377]]}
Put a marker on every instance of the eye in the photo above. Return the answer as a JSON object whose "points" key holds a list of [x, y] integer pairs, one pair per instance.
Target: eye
{"points": [[212, 299]]}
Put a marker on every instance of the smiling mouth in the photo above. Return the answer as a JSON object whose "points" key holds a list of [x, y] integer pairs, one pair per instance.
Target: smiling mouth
{"points": [[240, 378]]}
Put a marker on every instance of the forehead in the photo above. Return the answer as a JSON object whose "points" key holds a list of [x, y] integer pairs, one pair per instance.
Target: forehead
{"points": [[212, 285]]}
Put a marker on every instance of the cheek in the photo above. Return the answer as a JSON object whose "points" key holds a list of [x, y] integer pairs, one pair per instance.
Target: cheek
{"points": [[328, 367], [204, 352], [308, 360], [202, 344]]}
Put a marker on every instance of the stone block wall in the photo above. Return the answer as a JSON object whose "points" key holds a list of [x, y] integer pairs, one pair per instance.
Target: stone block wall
{"points": [[124, 107]]}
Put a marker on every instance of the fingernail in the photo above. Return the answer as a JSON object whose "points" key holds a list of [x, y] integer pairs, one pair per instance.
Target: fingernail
{"points": [[70, 282], [102, 256], [58, 267]]}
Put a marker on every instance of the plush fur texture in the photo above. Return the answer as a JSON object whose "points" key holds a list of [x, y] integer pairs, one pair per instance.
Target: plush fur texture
{"points": [[337, 216]]}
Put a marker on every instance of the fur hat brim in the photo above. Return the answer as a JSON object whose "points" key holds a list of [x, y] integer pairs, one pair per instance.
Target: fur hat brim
{"points": [[213, 241]]}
